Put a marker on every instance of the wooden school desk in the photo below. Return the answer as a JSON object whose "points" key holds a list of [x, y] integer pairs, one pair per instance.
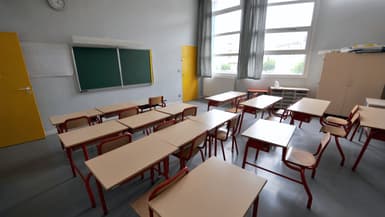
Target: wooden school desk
{"points": [[84, 136], [378, 103], [58, 120], [213, 119], [175, 109], [111, 110], [116, 166], [222, 98], [304, 109], [263, 102], [143, 120], [214, 188], [374, 119]]}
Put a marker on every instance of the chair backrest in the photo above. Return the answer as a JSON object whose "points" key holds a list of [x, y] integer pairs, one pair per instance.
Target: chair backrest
{"points": [[156, 101], [352, 120], [164, 124], [168, 183], [189, 150], [128, 112], [74, 123], [192, 111], [110, 144], [233, 125], [353, 112], [322, 146]]}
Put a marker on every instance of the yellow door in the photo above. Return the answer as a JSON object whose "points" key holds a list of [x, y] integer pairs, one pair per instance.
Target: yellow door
{"points": [[20, 119], [189, 77]]}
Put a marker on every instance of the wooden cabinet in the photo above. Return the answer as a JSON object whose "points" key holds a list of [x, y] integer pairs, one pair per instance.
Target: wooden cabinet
{"points": [[348, 78], [289, 95]]}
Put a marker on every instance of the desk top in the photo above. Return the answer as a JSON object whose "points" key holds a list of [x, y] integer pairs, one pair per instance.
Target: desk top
{"points": [[59, 119], [226, 96], [116, 107], [372, 117], [142, 119], [213, 118], [115, 166], [86, 134], [272, 132], [175, 108], [200, 193], [372, 102], [261, 102], [310, 106], [181, 133]]}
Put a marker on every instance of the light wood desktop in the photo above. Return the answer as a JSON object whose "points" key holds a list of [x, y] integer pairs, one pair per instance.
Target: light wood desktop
{"points": [[84, 136], [175, 109], [143, 120], [114, 167], [114, 109], [218, 99], [378, 103], [213, 119], [306, 108], [214, 188], [262, 102], [181, 133], [58, 120], [372, 118]]}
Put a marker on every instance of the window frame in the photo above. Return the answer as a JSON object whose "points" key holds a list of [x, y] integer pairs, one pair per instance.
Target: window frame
{"points": [[307, 51]]}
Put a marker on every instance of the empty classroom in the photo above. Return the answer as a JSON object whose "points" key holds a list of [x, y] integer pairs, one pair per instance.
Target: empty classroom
{"points": [[192, 108]]}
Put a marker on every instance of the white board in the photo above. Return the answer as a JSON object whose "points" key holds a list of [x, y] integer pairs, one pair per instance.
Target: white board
{"points": [[47, 59]]}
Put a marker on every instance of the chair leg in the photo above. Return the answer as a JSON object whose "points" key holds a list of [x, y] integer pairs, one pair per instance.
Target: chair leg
{"points": [[245, 156], [313, 173], [152, 175], [256, 154], [234, 143], [340, 150], [354, 132], [223, 151], [203, 158], [300, 124], [307, 189]]}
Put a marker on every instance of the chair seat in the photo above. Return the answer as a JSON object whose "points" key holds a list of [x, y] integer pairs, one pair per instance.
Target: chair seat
{"points": [[300, 157], [221, 134], [234, 110], [335, 131], [336, 120]]}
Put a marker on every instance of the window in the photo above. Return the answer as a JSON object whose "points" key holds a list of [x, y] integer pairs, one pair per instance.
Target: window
{"points": [[288, 26]]}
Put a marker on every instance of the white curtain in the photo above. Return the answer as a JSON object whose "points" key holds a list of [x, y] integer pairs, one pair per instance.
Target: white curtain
{"points": [[204, 38]]}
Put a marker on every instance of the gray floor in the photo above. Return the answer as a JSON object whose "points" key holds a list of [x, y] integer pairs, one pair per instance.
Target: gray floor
{"points": [[36, 180]]}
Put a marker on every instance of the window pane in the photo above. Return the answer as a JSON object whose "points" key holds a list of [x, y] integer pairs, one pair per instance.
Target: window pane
{"points": [[226, 44], [284, 64], [225, 64], [276, 1], [293, 15], [228, 22], [285, 41], [223, 4]]}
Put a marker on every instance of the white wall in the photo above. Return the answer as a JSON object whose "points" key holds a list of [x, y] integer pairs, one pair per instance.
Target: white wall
{"points": [[340, 23], [163, 26]]}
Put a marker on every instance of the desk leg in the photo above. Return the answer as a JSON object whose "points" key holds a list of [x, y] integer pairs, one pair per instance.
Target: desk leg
{"points": [[69, 156], [245, 156], [255, 207], [208, 106], [85, 152], [362, 151], [101, 197]]}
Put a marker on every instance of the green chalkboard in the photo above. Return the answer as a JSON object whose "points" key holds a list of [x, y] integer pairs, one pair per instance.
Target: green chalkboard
{"points": [[136, 66], [97, 67]]}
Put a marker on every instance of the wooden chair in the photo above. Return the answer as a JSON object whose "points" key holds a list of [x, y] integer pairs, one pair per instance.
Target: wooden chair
{"points": [[341, 128], [231, 130], [300, 160], [279, 115], [237, 107], [188, 151], [140, 205], [164, 124], [192, 111], [153, 102], [74, 123], [128, 112]]}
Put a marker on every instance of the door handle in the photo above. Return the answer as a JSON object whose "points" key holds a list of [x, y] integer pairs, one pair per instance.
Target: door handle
{"points": [[27, 89]]}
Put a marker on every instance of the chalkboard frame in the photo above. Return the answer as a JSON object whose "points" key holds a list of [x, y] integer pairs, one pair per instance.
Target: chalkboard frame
{"points": [[122, 83]]}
